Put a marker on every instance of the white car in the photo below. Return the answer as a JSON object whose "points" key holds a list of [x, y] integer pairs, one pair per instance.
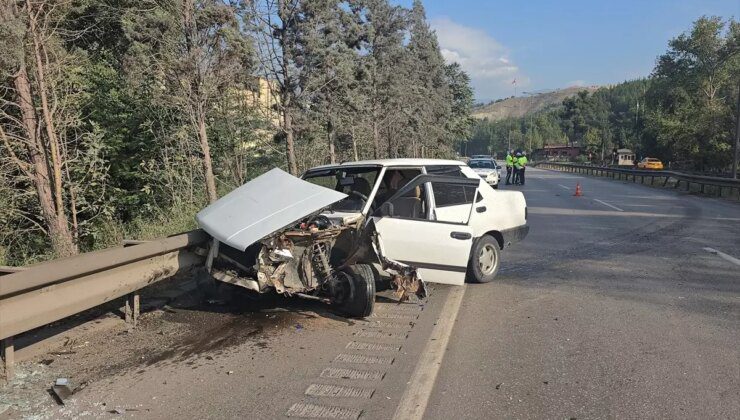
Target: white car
{"points": [[487, 169], [331, 234]]}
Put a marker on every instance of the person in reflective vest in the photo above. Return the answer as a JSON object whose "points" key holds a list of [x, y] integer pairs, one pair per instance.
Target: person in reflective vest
{"points": [[522, 161], [509, 166], [517, 167]]}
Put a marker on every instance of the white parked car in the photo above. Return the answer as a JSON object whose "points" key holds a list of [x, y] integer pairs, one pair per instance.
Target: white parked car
{"points": [[333, 233], [487, 169]]}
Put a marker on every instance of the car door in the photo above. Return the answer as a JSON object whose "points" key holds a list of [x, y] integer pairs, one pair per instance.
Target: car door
{"points": [[439, 249]]}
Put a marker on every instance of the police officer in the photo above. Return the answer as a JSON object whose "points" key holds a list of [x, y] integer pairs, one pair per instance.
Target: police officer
{"points": [[509, 166], [522, 160], [517, 167]]}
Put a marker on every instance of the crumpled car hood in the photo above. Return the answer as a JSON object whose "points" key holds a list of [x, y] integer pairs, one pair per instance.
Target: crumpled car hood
{"points": [[262, 206]]}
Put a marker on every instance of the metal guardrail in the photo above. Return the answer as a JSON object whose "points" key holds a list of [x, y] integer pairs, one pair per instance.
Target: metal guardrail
{"points": [[48, 292], [668, 178]]}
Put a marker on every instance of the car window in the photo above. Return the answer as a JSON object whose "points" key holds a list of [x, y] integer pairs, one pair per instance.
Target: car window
{"points": [[446, 195], [393, 180], [447, 170], [482, 164], [356, 182], [413, 202], [412, 205], [453, 202]]}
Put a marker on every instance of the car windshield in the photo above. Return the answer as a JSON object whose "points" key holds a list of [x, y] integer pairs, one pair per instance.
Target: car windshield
{"points": [[357, 183], [482, 164]]}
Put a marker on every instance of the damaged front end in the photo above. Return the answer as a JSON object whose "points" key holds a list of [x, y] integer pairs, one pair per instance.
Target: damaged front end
{"points": [[331, 259], [324, 255]]}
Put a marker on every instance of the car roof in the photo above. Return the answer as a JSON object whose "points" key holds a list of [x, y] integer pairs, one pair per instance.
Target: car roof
{"points": [[395, 162]]}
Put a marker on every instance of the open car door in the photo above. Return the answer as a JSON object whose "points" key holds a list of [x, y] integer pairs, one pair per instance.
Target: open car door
{"points": [[411, 232]]}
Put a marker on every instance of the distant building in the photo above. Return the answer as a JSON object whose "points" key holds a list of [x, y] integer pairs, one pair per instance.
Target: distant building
{"points": [[625, 157], [262, 95], [557, 153]]}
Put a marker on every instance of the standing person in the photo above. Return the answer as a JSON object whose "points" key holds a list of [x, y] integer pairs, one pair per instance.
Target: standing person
{"points": [[517, 167], [523, 167], [509, 166]]}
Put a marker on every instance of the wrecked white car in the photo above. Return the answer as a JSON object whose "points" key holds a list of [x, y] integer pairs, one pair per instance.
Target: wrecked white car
{"points": [[331, 234]]}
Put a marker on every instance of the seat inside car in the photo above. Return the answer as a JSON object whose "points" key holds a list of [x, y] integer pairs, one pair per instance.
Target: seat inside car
{"points": [[409, 206]]}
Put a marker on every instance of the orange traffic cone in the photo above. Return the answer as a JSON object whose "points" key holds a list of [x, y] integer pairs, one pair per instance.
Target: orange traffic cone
{"points": [[578, 190]]}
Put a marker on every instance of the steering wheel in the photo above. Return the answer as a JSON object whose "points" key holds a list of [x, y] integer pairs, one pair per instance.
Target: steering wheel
{"points": [[359, 195]]}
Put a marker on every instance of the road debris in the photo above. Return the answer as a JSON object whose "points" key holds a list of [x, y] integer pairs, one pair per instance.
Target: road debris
{"points": [[61, 390]]}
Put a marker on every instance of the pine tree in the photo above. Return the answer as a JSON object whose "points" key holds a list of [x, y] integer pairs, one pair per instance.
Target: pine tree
{"points": [[383, 85], [429, 104]]}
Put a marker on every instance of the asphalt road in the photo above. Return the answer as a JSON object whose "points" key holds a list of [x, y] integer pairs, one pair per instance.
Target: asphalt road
{"points": [[611, 307]]}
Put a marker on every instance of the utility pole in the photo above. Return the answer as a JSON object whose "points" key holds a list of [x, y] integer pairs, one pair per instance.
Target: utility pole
{"points": [[735, 147]]}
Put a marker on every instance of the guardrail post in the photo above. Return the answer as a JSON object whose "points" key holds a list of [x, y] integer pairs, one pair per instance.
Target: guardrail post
{"points": [[8, 353], [132, 310]]}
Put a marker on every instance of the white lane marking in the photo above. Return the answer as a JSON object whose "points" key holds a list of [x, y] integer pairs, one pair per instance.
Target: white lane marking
{"points": [[722, 255], [607, 204], [563, 186], [556, 211], [419, 388]]}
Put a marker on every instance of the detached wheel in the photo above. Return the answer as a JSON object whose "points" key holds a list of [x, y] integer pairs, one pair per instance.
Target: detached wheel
{"points": [[354, 291], [484, 260]]}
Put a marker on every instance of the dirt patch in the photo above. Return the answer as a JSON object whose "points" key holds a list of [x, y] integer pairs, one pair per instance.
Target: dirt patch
{"points": [[188, 332]]}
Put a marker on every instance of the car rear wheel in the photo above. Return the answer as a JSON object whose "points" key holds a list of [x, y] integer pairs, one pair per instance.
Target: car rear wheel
{"points": [[484, 260], [354, 291]]}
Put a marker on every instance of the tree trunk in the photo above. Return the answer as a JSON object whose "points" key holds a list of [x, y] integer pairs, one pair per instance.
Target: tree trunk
{"points": [[61, 239], [56, 161], [330, 139], [392, 151], [285, 14], [376, 139], [736, 143], [206, 149], [289, 144], [354, 144]]}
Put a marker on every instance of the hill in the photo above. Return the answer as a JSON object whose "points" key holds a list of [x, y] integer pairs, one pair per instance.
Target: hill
{"points": [[524, 105]]}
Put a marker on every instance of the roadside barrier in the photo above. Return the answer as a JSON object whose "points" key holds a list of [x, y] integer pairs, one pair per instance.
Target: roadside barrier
{"points": [[716, 186], [34, 296]]}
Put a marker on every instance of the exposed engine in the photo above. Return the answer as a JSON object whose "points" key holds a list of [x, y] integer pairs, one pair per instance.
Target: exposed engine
{"points": [[304, 259]]}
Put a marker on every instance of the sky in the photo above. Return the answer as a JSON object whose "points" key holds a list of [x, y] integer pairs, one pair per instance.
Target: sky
{"points": [[559, 43]]}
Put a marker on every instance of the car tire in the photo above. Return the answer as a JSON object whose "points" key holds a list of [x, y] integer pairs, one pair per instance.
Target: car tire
{"points": [[484, 260], [356, 295]]}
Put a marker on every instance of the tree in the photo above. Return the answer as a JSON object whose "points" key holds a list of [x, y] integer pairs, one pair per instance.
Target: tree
{"points": [[327, 52], [460, 123], [429, 103], [192, 52], [382, 29], [36, 143], [691, 97]]}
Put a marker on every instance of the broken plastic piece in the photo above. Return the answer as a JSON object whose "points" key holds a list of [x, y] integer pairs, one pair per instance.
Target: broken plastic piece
{"points": [[61, 390], [279, 255]]}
